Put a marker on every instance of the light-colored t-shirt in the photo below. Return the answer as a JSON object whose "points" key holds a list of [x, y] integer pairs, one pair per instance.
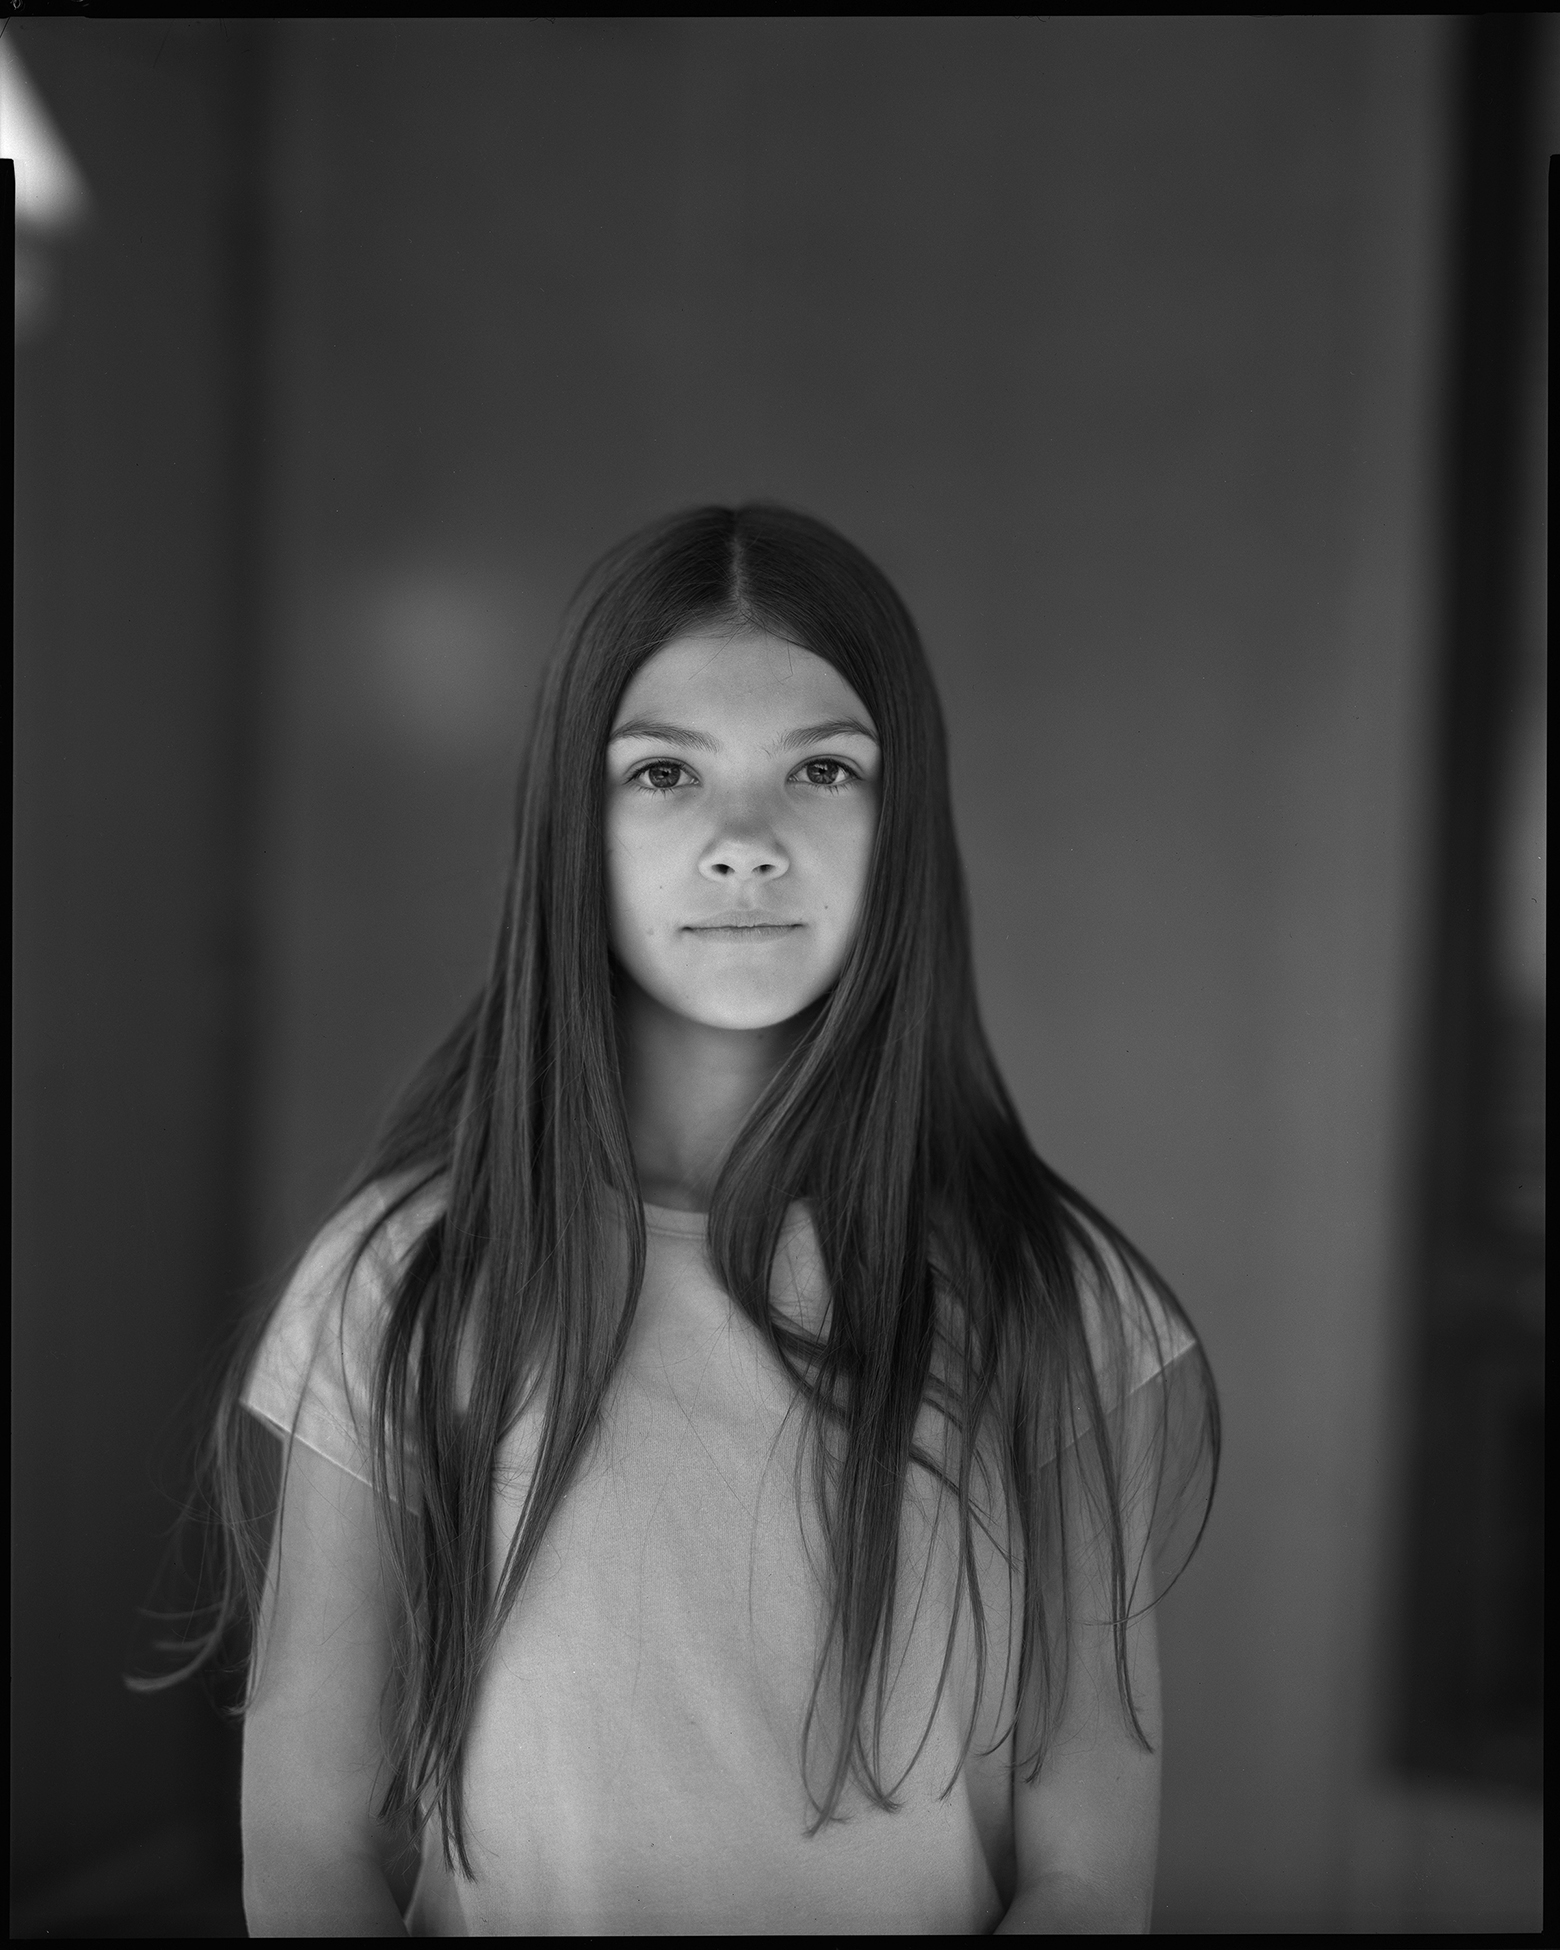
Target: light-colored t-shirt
{"points": [[634, 1762]]}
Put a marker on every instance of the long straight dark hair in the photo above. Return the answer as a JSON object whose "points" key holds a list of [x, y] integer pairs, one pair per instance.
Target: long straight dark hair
{"points": [[956, 1261]]}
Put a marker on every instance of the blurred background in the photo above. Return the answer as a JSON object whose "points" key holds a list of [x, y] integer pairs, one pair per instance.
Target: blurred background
{"points": [[1188, 376]]}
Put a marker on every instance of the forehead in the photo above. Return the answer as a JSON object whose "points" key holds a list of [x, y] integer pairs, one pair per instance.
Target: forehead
{"points": [[747, 675]]}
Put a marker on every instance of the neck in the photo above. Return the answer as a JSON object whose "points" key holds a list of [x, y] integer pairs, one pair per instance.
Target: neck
{"points": [[688, 1089]]}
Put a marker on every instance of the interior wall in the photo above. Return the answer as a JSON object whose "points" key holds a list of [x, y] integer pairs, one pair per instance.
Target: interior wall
{"points": [[128, 896], [1116, 343]]}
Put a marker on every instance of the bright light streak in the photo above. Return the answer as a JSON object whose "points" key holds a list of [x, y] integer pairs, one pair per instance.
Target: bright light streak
{"points": [[51, 192]]}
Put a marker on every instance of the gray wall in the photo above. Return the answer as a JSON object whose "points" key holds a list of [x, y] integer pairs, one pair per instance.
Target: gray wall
{"points": [[129, 701], [1117, 344]]}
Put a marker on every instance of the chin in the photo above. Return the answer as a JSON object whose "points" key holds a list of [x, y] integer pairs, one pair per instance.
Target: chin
{"points": [[748, 1009]]}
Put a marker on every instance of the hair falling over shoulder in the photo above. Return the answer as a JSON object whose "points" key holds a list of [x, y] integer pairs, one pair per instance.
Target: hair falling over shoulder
{"points": [[958, 1264]]}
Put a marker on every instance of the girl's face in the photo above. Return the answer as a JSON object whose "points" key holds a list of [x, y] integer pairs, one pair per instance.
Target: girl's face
{"points": [[742, 796]]}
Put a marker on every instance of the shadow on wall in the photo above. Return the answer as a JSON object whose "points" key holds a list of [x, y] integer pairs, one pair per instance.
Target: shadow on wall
{"points": [[129, 971], [179, 1882]]}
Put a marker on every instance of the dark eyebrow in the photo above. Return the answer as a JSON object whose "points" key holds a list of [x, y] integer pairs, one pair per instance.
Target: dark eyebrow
{"points": [[815, 734], [664, 734], [699, 741]]}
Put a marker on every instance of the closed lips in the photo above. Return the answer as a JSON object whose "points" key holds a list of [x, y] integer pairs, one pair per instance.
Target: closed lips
{"points": [[742, 920]]}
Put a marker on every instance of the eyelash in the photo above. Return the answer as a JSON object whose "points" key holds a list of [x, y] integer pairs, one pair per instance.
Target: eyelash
{"points": [[849, 777]]}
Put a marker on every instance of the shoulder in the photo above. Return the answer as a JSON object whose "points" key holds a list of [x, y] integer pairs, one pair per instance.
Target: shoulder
{"points": [[1134, 1327], [312, 1371], [351, 1266], [1132, 1324]]}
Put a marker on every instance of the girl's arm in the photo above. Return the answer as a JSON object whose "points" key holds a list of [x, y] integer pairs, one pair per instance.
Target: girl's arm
{"points": [[1087, 1831], [316, 1862]]}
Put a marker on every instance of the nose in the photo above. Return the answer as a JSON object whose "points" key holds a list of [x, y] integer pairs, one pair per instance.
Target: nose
{"points": [[744, 851]]}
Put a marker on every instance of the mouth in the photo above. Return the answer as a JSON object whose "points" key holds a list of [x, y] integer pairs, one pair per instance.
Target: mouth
{"points": [[743, 927]]}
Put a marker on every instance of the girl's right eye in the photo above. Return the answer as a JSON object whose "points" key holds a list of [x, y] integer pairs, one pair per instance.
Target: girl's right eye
{"points": [[660, 775]]}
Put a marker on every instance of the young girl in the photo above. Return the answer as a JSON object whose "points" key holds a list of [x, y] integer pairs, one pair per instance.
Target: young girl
{"points": [[721, 1466]]}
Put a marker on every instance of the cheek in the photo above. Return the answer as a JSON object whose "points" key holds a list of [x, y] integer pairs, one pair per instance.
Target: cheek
{"points": [[846, 869], [638, 873], [860, 851], [625, 875]]}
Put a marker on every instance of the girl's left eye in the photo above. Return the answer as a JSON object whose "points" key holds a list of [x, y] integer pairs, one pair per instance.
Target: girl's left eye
{"points": [[829, 772]]}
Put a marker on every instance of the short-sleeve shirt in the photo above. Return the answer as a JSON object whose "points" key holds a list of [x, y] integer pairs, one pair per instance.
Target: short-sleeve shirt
{"points": [[635, 1757]]}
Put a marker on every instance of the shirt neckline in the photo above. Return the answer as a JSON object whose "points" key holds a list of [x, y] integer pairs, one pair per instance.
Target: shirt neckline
{"points": [[692, 1225]]}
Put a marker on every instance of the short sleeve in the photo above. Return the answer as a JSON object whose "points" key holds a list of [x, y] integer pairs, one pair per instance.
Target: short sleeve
{"points": [[1160, 1405], [312, 1376], [1150, 1339]]}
